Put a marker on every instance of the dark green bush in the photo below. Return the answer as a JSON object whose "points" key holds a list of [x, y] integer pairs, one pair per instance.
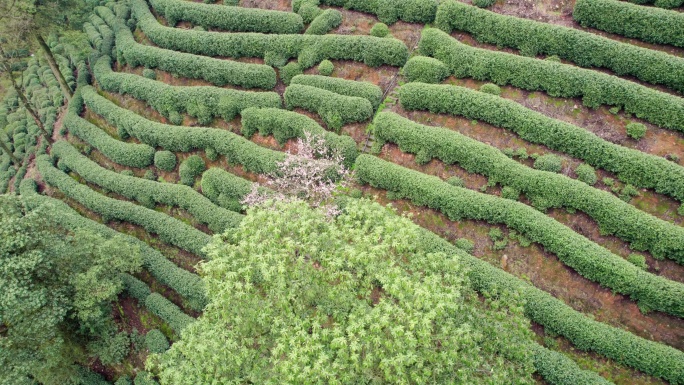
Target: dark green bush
{"points": [[156, 342], [636, 130], [649, 24], [135, 288], [335, 109], [484, 3], [150, 175], [366, 90], [511, 193], [390, 11], [168, 311], [465, 244], [490, 89], [111, 349], [191, 168], [380, 30], [426, 70], [326, 68], [289, 71], [212, 155], [149, 73], [549, 162], [165, 160], [325, 22], [586, 174]]}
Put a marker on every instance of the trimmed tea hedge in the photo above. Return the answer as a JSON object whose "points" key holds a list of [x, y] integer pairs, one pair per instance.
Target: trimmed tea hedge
{"points": [[325, 22], [284, 125], [225, 189], [168, 311], [559, 80], [235, 148], [582, 48], [335, 109], [557, 369], [156, 342], [228, 18], [126, 154], [631, 166], [190, 286], [169, 229], [365, 90], [147, 191], [586, 334], [426, 70], [309, 49], [391, 11], [216, 71], [645, 23], [660, 3], [204, 103], [191, 168], [544, 189]]}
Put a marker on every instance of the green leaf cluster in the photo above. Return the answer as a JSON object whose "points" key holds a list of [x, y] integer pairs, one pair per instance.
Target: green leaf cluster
{"points": [[335, 109]]}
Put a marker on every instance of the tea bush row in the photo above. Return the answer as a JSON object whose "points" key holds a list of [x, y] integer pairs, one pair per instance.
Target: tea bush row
{"points": [[335, 109], [365, 90]]}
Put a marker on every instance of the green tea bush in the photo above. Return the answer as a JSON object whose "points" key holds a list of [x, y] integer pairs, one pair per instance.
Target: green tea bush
{"points": [[660, 3], [123, 380], [168, 311], [652, 25], [511, 193], [145, 378], [111, 349], [149, 73], [631, 166], [465, 244], [391, 11], [380, 30], [456, 181], [284, 125], [426, 70], [165, 160], [549, 162], [582, 48], [335, 109], [191, 168], [544, 189], [638, 260], [584, 256], [156, 342], [557, 79], [490, 88], [325, 22], [150, 175], [366, 90], [289, 71], [326, 68], [484, 3], [233, 19], [636, 130], [586, 174], [135, 288]]}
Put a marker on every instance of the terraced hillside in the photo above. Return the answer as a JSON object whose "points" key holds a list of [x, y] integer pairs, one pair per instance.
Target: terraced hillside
{"points": [[544, 150]]}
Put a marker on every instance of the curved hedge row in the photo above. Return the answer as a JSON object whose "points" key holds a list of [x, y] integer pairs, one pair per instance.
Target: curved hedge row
{"points": [[631, 166], [145, 191], [105, 32], [544, 189], [582, 48], [228, 18], [366, 90], [216, 71], [309, 49], [557, 79], [126, 154], [586, 334], [335, 109], [391, 11], [557, 369], [169, 229], [660, 3], [325, 22], [204, 103], [235, 148], [168, 311], [645, 23], [284, 125], [190, 286], [225, 189], [587, 258]]}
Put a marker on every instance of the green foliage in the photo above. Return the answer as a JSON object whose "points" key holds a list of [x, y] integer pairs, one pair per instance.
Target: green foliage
{"points": [[233, 19], [325, 22], [326, 68], [284, 125], [123, 380], [165, 160], [370, 50], [582, 48], [511, 193], [557, 79], [149, 73], [490, 88], [495, 234], [226, 189], [380, 30], [636, 130], [484, 3], [136, 288], [465, 244], [216, 71], [366, 90], [456, 181], [586, 174], [549, 162], [191, 168], [638, 260], [335, 109], [211, 154], [168, 311], [145, 378], [586, 257], [150, 175], [631, 166], [289, 71], [391, 11], [375, 310], [652, 25], [426, 70], [156, 342], [111, 349], [628, 192], [308, 9]]}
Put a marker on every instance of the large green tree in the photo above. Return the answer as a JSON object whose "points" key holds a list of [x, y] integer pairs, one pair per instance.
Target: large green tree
{"points": [[56, 290], [297, 297]]}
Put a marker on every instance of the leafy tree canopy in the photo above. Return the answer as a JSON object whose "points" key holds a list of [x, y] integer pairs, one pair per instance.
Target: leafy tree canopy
{"points": [[299, 298], [55, 292]]}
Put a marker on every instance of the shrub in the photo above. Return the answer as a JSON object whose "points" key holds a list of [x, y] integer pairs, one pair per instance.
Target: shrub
{"points": [[326, 68], [558, 80], [583, 48], [652, 25], [484, 3], [636, 130], [490, 88], [123, 380], [111, 349], [465, 244], [335, 109], [495, 234], [156, 342], [426, 70], [135, 287], [165, 160], [211, 154], [275, 59], [145, 378], [325, 22], [549, 162], [628, 192], [586, 174], [225, 189], [150, 175], [289, 71], [149, 73], [390, 11], [638, 260], [366, 90], [511, 193], [168, 311], [380, 30], [191, 168], [456, 181]]}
